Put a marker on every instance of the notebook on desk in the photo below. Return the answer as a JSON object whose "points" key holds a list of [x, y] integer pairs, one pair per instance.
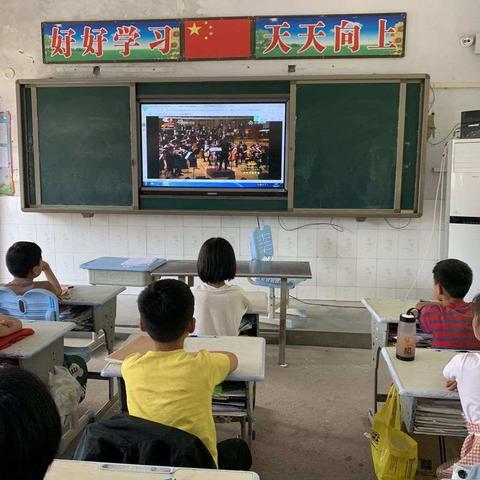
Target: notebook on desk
{"points": [[124, 264]]}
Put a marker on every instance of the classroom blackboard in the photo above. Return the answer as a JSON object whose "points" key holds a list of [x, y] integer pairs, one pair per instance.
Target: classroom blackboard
{"points": [[346, 145], [84, 145], [344, 150]]}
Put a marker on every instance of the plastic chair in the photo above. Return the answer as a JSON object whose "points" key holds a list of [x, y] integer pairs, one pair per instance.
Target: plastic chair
{"points": [[34, 305], [261, 249]]}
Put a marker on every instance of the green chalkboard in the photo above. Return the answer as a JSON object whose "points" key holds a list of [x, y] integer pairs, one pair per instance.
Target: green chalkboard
{"points": [[27, 149], [200, 204], [214, 88], [84, 144], [411, 144], [346, 143]]}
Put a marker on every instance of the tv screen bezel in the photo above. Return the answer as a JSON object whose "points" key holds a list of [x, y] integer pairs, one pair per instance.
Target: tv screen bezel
{"points": [[214, 192]]}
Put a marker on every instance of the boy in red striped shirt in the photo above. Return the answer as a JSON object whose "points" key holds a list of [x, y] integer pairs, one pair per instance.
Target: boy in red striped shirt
{"points": [[450, 319]]}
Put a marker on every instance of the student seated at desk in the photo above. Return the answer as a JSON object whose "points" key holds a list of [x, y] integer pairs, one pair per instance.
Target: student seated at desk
{"points": [[450, 319], [463, 373], [171, 386], [30, 429], [24, 262], [219, 306]]}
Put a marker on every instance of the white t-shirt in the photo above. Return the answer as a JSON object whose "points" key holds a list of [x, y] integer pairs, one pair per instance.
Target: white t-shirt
{"points": [[465, 369], [219, 311]]}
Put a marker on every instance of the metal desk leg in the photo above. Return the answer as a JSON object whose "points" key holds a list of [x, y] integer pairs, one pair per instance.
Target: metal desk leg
{"points": [[375, 381], [190, 280], [282, 334], [250, 389]]}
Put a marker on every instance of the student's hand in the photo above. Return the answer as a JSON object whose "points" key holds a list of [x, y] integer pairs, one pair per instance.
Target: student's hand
{"points": [[45, 266], [9, 325], [451, 385], [10, 322]]}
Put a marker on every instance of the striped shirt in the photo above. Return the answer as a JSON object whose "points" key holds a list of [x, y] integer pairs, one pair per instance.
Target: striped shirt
{"points": [[450, 325]]}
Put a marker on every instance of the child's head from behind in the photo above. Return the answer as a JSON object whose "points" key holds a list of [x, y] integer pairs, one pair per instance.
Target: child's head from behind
{"points": [[166, 310], [30, 427], [24, 259], [216, 261], [452, 278]]}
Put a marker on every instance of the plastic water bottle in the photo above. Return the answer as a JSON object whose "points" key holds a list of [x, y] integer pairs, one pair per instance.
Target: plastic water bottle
{"points": [[406, 337]]}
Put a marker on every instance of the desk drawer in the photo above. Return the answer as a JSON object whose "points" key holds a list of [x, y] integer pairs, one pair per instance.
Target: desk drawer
{"points": [[117, 277]]}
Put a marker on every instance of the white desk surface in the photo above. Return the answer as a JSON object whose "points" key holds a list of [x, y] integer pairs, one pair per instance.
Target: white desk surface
{"points": [[73, 470], [387, 311], [422, 378], [45, 334], [91, 295], [249, 350]]}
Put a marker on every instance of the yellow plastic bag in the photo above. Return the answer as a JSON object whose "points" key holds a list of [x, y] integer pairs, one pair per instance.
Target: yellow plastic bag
{"points": [[394, 453]]}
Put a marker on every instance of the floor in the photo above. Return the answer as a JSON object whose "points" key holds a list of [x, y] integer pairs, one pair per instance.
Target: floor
{"points": [[311, 416]]}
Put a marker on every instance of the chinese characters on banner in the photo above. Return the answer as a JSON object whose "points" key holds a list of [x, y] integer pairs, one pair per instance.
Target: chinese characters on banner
{"points": [[327, 36], [330, 36], [76, 42]]}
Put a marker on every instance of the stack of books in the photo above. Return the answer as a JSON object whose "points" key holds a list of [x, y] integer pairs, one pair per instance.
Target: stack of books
{"points": [[81, 315], [439, 417], [229, 399]]}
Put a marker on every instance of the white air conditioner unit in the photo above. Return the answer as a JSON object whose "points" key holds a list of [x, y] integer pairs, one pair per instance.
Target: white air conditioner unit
{"points": [[463, 206]]}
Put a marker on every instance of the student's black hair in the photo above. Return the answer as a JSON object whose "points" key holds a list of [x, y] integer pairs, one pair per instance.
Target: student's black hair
{"points": [[30, 428], [454, 276], [216, 261], [22, 257], [166, 307]]}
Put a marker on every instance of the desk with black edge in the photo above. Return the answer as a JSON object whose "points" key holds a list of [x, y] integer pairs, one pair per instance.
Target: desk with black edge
{"points": [[186, 270]]}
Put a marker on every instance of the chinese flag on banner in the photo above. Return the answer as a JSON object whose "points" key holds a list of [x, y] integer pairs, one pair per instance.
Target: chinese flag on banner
{"points": [[217, 38]]}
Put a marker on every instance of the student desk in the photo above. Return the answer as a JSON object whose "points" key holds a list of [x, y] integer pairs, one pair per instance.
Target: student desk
{"points": [[39, 352], [420, 379], [73, 470], [251, 368], [186, 270], [258, 305], [384, 314], [103, 300]]}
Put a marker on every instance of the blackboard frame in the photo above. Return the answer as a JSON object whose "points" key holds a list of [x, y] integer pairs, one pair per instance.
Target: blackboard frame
{"points": [[138, 204]]}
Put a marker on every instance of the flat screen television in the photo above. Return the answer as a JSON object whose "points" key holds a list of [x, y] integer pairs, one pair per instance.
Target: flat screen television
{"points": [[215, 148]]}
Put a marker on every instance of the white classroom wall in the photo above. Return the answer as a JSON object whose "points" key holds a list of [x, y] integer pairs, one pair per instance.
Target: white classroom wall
{"points": [[366, 259]]}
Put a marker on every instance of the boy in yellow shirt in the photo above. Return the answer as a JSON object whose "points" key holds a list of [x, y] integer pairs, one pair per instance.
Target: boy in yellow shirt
{"points": [[171, 386]]}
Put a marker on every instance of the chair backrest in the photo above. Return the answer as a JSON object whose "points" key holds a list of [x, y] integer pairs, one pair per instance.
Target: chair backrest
{"points": [[128, 439], [36, 304], [261, 243]]}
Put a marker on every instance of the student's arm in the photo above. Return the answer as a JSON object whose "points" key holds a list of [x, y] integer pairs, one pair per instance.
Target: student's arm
{"points": [[450, 373], [426, 315], [232, 357], [56, 288], [9, 325], [425, 303]]}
